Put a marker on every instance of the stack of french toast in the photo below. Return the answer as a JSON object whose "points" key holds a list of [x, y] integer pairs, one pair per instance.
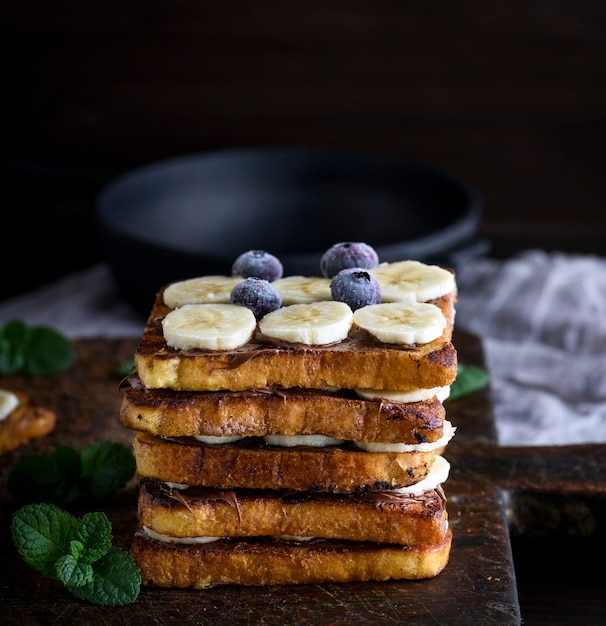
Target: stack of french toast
{"points": [[292, 430]]}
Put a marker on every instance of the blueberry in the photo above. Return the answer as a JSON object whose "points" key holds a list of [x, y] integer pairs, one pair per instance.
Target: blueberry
{"points": [[348, 254], [356, 287], [257, 263], [257, 294]]}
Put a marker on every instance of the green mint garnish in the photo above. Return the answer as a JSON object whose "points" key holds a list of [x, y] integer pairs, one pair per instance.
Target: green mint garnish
{"points": [[65, 475], [77, 552], [42, 534], [34, 350], [116, 580], [469, 379], [126, 369]]}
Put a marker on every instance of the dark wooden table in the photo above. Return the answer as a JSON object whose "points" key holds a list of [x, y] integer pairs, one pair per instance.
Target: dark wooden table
{"points": [[547, 492]]}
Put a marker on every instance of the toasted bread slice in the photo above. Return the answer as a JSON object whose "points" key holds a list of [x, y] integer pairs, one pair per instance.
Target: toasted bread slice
{"points": [[28, 421], [262, 562], [256, 465], [385, 517], [357, 361], [258, 412]]}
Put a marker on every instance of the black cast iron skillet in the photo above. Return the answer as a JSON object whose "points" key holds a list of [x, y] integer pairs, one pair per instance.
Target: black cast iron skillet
{"points": [[194, 214]]}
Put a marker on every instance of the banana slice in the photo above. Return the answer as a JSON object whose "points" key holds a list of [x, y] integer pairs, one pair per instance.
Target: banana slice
{"points": [[438, 474], [294, 538], [212, 440], [303, 289], [415, 395], [448, 434], [316, 441], [401, 323], [203, 290], [8, 403], [208, 326], [412, 281], [316, 323]]}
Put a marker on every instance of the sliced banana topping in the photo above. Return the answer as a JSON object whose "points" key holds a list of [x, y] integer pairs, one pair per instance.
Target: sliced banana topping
{"points": [[371, 446], [294, 538], [208, 326], [321, 441], [414, 395], [203, 290], [212, 440], [443, 393], [316, 323], [412, 281], [8, 403], [401, 323], [303, 289], [178, 486], [317, 441], [152, 534], [438, 474]]}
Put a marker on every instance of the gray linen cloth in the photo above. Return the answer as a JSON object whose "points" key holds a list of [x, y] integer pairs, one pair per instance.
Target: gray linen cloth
{"points": [[541, 318]]}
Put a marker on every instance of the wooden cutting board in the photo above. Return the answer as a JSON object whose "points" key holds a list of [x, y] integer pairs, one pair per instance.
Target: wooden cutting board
{"points": [[477, 587]]}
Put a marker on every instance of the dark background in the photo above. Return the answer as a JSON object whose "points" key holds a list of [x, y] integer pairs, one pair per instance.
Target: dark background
{"points": [[510, 97]]}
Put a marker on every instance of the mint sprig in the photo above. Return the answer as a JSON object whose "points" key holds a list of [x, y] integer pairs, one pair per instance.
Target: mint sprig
{"points": [[33, 350], [126, 368], [77, 552], [65, 475], [470, 379]]}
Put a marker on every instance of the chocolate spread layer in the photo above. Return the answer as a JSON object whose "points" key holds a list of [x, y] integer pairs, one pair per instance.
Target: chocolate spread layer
{"points": [[162, 492]]}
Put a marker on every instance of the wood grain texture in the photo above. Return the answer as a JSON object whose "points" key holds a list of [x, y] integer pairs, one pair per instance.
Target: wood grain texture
{"points": [[538, 495], [477, 586]]}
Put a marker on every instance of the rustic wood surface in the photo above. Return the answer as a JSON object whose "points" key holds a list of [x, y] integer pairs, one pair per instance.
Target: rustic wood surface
{"points": [[87, 402], [478, 585]]}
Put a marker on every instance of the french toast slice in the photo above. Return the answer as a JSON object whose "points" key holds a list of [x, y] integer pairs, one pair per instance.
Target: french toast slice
{"points": [[357, 361], [341, 414], [28, 421], [263, 561], [386, 517], [255, 465]]}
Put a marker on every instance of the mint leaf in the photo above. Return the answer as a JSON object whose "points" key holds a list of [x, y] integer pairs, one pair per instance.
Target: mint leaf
{"points": [[76, 552], [14, 337], [64, 475], [34, 350], [48, 352], [41, 534], [116, 580], [126, 369], [94, 535], [106, 467], [47, 477], [72, 572], [469, 379]]}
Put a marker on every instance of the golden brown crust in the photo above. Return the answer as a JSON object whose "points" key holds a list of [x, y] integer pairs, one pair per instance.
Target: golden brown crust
{"points": [[255, 465], [379, 517], [29, 421], [272, 562], [251, 493], [355, 362], [261, 412]]}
